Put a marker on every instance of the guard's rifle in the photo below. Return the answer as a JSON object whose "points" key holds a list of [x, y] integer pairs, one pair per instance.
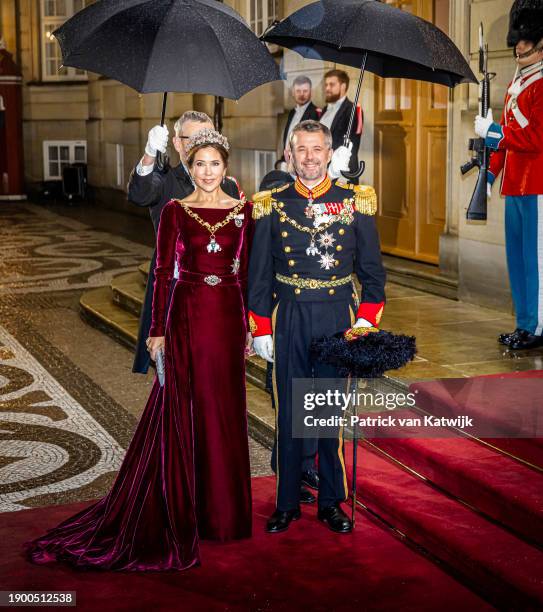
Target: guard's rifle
{"points": [[478, 203]]}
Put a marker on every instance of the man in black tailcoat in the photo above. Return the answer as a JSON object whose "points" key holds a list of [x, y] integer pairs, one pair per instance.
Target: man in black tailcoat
{"points": [[304, 109], [337, 112]]}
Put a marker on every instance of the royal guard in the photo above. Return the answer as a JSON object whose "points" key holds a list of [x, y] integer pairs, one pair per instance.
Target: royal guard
{"points": [[517, 144], [310, 236]]}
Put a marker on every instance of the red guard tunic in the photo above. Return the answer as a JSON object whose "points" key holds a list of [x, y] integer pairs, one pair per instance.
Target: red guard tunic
{"points": [[518, 139]]}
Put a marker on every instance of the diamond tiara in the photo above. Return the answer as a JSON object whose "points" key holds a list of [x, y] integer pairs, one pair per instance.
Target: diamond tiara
{"points": [[207, 136]]}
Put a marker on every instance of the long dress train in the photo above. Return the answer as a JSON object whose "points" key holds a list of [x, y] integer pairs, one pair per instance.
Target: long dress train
{"points": [[186, 473]]}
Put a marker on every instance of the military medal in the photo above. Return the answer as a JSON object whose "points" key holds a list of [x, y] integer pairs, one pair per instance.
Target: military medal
{"points": [[213, 246], [327, 261], [312, 249], [326, 240]]}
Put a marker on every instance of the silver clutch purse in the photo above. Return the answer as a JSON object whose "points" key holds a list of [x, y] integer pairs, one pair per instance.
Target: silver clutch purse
{"points": [[160, 366]]}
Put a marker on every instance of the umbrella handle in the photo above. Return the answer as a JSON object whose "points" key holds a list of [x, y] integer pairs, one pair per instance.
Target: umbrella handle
{"points": [[162, 160], [361, 165], [357, 173]]}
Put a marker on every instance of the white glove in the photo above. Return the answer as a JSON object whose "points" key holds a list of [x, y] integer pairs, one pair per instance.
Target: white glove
{"points": [[362, 323], [157, 140], [283, 166], [340, 161], [481, 124], [488, 190], [263, 346]]}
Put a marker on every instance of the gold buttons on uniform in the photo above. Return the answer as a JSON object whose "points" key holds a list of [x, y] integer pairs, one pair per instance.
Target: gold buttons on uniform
{"points": [[288, 249], [281, 204], [284, 234], [339, 247], [282, 219], [294, 276], [274, 295], [337, 263], [331, 291], [297, 291], [341, 231], [334, 277], [291, 262]]}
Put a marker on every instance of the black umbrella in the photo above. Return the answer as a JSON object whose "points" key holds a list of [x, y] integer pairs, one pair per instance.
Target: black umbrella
{"points": [[374, 36], [196, 46]]}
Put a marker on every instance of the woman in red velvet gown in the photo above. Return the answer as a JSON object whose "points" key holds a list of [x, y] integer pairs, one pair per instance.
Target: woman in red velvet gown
{"points": [[186, 473]]}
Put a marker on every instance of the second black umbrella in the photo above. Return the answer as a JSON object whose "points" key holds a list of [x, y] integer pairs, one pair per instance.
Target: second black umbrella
{"points": [[374, 36]]}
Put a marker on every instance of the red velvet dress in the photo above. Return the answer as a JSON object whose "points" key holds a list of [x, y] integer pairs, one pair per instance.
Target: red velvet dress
{"points": [[186, 473]]}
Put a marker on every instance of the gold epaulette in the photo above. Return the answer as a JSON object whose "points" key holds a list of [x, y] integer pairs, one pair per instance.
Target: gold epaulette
{"points": [[263, 200], [365, 198], [262, 204]]}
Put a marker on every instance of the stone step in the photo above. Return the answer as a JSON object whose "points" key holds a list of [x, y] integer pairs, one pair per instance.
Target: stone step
{"points": [[144, 270], [128, 292], [260, 415], [98, 308], [256, 371], [421, 276]]}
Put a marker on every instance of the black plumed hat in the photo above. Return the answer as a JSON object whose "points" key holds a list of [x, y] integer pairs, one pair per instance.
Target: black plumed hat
{"points": [[368, 356], [525, 22]]}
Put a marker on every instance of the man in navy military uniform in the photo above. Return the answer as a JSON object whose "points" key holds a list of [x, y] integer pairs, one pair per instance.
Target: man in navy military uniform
{"points": [[310, 236]]}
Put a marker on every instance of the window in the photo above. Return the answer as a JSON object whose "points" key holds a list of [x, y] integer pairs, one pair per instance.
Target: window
{"points": [[54, 14], [60, 153], [262, 13], [264, 162]]}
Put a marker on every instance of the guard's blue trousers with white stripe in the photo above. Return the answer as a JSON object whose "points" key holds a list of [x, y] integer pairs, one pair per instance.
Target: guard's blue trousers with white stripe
{"points": [[524, 247]]}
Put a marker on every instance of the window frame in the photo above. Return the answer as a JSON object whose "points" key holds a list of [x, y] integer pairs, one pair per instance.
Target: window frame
{"points": [[71, 144], [48, 24], [258, 26]]}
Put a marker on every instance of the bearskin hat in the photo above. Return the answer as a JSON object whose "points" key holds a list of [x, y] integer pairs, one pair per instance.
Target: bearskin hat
{"points": [[525, 22]]}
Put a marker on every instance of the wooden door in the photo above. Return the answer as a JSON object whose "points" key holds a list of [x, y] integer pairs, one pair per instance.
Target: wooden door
{"points": [[411, 155]]}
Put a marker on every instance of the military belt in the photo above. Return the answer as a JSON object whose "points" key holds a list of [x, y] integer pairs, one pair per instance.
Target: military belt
{"points": [[312, 283]]}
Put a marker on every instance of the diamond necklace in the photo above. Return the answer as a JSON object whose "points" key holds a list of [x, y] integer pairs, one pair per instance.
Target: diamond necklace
{"points": [[213, 246]]}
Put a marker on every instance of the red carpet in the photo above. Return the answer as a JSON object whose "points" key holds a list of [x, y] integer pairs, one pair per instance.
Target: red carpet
{"points": [[502, 488], [508, 570], [306, 568], [507, 402], [472, 506]]}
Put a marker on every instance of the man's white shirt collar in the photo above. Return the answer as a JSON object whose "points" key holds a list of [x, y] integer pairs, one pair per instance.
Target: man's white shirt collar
{"points": [[303, 108], [336, 105]]}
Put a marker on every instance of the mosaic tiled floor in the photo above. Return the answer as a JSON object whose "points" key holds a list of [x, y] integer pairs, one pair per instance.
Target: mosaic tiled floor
{"points": [[69, 402], [41, 251]]}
